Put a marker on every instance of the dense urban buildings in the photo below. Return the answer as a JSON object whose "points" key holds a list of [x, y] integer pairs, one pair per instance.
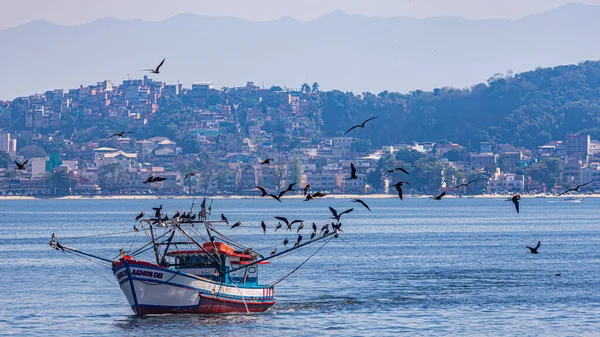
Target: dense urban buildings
{"points": [[224, 134]]}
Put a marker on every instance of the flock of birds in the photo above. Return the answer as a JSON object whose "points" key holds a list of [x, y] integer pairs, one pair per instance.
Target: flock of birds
{"points": [[310, 195], [307, 192]]}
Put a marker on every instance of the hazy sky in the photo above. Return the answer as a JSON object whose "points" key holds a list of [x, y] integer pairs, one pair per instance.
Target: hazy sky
{"points": [[68, 12]]}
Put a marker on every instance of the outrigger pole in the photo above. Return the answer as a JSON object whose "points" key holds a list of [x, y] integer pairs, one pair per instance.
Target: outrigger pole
{"points": [[54, 244], [282, 253]]}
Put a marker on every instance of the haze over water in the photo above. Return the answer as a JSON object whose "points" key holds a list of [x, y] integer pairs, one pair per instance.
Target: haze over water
{"points": [[469, 270]]}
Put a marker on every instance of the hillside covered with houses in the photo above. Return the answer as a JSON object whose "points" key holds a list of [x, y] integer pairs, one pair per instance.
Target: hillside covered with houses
{"points": [[224, 134]]}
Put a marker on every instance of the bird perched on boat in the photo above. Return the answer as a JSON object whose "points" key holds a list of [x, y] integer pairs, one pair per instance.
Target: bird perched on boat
{"points": [[298, 240], [515, 200], [315, 195], [135, 229], [141, 215], [277, 226], [119, 134], [362, 125], [21, 166], [267, 161], [325, 227], [177, 215], [306, 189], [326, 231], [193, 173], [312, 236], [535, 250], [300, 227], [575, 189], [193, 217], [286, 241], [352, 172], [399, 187], [264, 192], [157, 69], [314, 227], [465, 184], [274, 251], [440, 196], [394, 170], [158, 211], [338, 216], [362, 203], [224, 218], [290, 187], [237, 224], [264, 227]]}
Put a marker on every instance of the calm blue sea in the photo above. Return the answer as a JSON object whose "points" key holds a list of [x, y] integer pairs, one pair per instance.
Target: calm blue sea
{"points": [[455, 267]]}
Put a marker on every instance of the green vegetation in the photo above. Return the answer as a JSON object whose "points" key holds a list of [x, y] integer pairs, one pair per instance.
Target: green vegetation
{"points": [[527, 110]]}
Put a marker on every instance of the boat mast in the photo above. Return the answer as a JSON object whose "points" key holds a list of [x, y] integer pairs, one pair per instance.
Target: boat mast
{"points": [[156, 252], [168, 244]]}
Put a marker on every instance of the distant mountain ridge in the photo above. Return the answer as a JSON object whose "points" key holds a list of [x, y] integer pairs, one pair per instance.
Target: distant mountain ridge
{"points": [[340, 51]]}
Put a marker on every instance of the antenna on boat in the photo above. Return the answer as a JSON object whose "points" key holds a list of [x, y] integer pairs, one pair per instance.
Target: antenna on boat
{"points": [[193, 204]]}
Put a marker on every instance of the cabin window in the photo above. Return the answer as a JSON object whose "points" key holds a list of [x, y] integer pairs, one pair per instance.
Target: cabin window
{"points": [[252, 270]]}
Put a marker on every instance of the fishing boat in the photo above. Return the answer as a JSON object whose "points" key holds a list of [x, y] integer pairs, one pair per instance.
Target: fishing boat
{"points": [[572, 199], [191, 273]]}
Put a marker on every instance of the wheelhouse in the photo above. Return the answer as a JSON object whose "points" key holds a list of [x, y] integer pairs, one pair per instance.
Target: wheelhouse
{"points": [[198, 262]]}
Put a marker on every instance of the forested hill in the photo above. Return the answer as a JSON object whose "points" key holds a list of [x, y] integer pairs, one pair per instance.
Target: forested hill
{"points": [[526, 109]]}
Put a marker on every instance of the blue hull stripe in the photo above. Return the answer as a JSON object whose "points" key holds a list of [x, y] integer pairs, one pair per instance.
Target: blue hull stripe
{"points": [[132, 287]]}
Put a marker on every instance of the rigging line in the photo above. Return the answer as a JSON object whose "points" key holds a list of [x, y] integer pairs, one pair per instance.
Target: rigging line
{"points": [[90, 269], [144, 246], [243, 298], [379, 263], [91, 236], [132, 241], [301, 264]]}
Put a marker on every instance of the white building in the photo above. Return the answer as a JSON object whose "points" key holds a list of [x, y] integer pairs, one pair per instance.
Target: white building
{"points": [[38, 167], [506, 182], [107, 155], [8, 144]]}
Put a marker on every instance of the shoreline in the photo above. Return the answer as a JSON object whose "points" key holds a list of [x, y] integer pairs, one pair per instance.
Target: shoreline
{"points": [[330, 196]]}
